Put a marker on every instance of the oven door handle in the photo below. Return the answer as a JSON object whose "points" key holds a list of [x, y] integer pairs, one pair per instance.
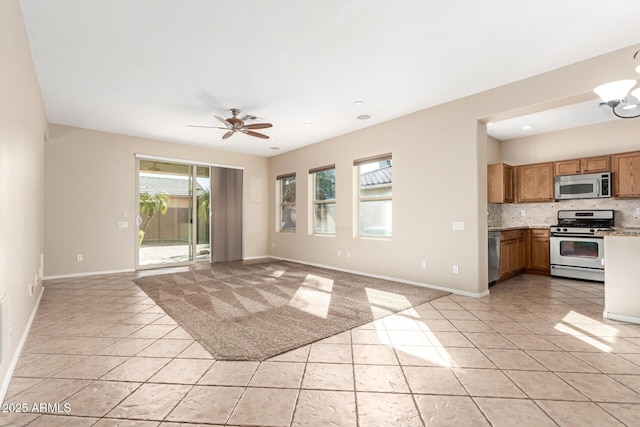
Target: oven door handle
{"points": [[580, 236]]}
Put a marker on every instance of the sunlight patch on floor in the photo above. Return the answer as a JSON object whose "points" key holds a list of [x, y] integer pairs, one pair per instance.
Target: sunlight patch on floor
{"points": [[574, 324], [277, 273], [313, 296]]}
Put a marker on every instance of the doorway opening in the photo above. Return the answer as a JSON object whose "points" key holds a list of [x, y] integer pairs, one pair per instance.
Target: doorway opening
{"points": [[173, 213]]}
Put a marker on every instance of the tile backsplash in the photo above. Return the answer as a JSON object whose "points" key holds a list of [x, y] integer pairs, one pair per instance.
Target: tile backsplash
{"points": [[539, 214]]}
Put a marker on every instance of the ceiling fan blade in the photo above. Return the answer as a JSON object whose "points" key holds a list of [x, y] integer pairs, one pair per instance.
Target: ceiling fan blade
{"points": [[209, 127], [256, 134], [258, 126], [226, 123], [228, 134]]}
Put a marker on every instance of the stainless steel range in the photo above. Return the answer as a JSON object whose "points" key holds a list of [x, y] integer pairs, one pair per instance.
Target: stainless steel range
{"points": [[576, 251]]}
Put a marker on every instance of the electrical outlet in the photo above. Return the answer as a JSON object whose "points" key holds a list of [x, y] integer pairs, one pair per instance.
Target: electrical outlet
{"points": [[423, 265], [339, 252], [348, 254], [273, 245], [79, 258], [456, 269], [30, 289], [523, 213]]}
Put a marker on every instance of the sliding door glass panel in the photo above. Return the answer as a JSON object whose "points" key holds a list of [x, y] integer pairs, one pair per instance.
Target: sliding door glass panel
{"points": [[165, 213], [203, 214]]}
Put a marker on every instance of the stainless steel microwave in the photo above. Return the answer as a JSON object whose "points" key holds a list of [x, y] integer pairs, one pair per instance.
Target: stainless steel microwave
{"points": [[587, 186]]}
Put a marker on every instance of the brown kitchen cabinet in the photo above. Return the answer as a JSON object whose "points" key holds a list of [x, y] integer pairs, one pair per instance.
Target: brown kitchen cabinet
{"points": [[626, 174], [538, 251], [567, 167], [500, 183], [512, 253], [580, 166], [534, 183], [596, 164]]}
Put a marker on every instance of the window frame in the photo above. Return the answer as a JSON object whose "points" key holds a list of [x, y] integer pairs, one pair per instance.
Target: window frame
{"points": [[315, 202], [280, 179], [360, 199]]}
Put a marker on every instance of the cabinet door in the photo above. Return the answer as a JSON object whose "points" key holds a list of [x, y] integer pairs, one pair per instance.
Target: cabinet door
{"points": [[595, 164], [500, 183], [535, 183], [626, 174], [504, 258], [522, 254], [567, 167], [540, 253], [513, 256]]}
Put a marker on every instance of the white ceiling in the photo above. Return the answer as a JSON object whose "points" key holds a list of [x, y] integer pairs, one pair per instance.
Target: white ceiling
{"points": [[570, 116], [149, 68]]}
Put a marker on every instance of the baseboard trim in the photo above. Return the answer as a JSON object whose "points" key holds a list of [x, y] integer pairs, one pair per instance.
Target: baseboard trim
{"points": [[89, 273], [395, 279], [14, 360], [250, 258], [620, 317]]}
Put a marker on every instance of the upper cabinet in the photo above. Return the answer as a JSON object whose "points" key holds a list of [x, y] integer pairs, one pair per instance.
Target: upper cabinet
{"points": [[586, 165], [596, 164], [534, 183], [626, 174], [567, 167], [500, 183]]}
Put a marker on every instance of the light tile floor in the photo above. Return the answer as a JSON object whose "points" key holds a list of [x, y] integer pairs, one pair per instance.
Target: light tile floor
{"points": [[535, 352]]}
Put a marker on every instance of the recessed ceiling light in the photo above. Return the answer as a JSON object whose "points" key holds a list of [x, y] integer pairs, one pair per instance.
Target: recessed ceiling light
{"points": [[307, 124], [274, 148], [527, 127], [358, 102], [364, 117]]}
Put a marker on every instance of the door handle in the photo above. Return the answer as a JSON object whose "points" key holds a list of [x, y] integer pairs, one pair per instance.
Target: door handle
{"points": [[138, 220]]}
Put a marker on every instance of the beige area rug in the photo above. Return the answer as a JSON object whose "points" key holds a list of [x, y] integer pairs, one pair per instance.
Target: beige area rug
{"points": [[253, 311]]}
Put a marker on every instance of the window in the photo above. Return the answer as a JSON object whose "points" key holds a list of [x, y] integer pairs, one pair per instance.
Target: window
{"points": [[287, 190], [375, 183], [324, 199]]}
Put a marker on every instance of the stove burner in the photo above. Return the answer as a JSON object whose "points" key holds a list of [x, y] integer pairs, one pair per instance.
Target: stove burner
{"points": [[582, 223]]}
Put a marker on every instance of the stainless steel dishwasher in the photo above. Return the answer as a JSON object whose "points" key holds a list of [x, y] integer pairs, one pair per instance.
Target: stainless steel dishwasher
{"points": [[494, 256]]}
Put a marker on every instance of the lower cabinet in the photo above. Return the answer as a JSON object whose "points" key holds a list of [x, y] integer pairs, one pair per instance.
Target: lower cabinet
{"points": [[524, 250], [538, 251], [512, 253]]}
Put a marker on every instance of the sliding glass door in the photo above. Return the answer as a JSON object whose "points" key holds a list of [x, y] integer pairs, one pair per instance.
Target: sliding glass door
{"points": [[173, 213]]}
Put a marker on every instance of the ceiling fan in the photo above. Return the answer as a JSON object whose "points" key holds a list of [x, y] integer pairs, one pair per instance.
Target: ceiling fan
{"points": [[234, 124]]}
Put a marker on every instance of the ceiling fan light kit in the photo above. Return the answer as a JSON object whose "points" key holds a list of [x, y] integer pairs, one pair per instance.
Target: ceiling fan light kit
{"points": [[234, 124], [615, 95]]}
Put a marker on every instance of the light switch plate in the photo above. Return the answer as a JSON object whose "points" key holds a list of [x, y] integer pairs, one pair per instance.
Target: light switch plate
{"points": [[458, 225], [123, 224]]}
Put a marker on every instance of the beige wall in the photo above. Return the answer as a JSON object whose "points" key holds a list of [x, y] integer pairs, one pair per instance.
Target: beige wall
{"points": [[621, 291], [23, 125], [90, 182], [494, 148], [611, 137], [439, 158]]}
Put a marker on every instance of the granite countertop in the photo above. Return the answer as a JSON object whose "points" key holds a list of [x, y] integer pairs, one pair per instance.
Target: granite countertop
{"points": [[520, 227], [621, 231]]}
